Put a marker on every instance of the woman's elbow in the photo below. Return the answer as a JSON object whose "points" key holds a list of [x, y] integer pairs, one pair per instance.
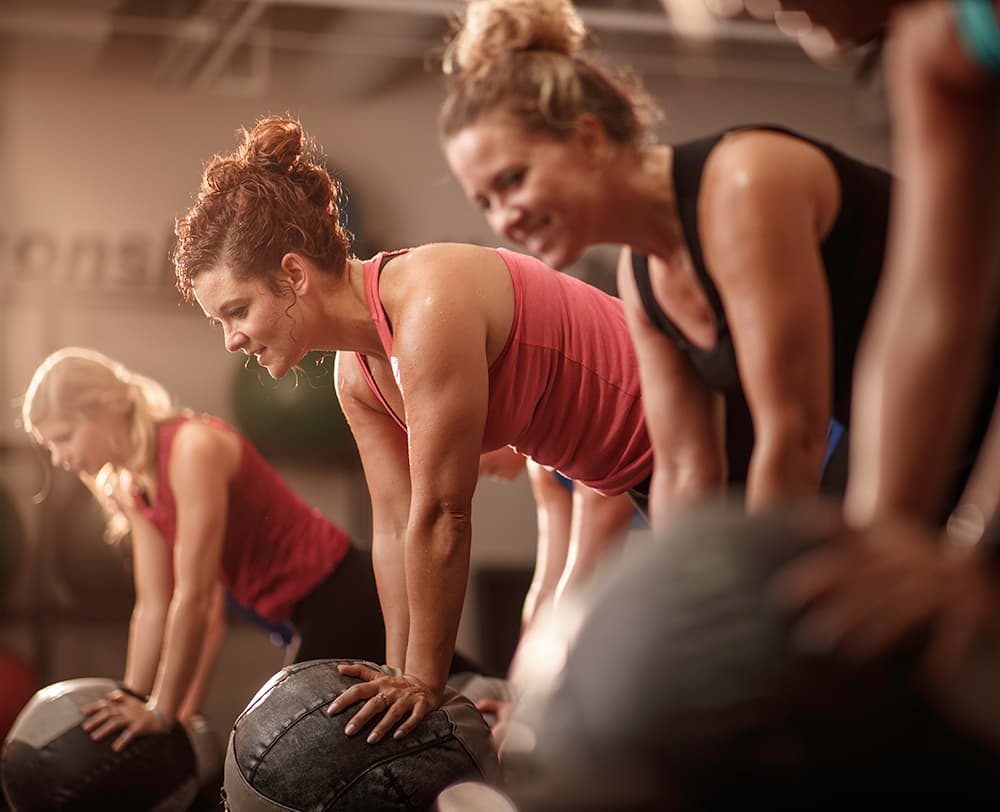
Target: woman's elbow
{"points": [[446, 524]]}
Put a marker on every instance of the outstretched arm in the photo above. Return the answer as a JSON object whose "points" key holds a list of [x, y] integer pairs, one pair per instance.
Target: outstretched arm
{"points": [[154, 583], [202, 462], [767, 200], [382, 446], [439, 349], [684, 417], [924, 351], [599, 523], [215, 631], [554, 511]]}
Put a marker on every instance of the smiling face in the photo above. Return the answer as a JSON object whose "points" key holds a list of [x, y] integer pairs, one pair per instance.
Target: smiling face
{"points": [[82, 445], [254, 319], [538, 191]]}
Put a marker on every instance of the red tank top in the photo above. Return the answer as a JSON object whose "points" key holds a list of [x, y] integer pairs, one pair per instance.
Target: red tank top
{"points": [[277, 548], [565, 389]]}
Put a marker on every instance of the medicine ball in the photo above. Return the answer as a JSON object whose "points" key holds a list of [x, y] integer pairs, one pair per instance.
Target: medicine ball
{"points": [[684, 690], [50, 763], [285, 752]]}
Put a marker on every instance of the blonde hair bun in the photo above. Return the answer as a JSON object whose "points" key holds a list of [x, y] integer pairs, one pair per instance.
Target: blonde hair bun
{"points": [[491, 28]]}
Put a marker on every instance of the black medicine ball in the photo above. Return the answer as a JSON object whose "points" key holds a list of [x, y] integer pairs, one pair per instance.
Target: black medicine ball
{"points": [[50, 763], [286, 753]]}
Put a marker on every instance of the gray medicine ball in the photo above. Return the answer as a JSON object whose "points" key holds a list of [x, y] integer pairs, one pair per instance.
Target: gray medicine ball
{"points": [[685, 690], [285, 752], [50, 763]]}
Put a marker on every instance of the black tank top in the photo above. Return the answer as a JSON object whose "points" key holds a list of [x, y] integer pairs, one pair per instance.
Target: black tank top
{"points": [[852, 254], [852, 257]]}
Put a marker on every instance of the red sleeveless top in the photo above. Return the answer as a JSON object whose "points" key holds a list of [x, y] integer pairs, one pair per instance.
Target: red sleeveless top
{"points": [[565, 388], [276, 549]]}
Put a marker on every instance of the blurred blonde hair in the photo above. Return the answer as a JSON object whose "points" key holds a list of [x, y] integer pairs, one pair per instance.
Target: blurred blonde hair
{"points": [[80, 383], [527, 58]]}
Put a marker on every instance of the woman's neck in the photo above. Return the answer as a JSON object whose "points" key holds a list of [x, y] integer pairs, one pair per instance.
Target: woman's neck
{"points": [[343, 321], [646, 216]]}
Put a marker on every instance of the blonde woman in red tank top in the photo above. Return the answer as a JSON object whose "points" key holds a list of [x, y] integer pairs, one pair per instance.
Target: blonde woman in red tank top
{"points": [[205, 514]]}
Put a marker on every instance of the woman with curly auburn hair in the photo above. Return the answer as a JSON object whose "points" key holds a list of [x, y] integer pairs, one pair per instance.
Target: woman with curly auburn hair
{"points": [[448, 351]]}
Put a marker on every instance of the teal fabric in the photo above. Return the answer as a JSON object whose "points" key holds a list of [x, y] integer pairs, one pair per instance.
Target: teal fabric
{"points": [[979, 32]]}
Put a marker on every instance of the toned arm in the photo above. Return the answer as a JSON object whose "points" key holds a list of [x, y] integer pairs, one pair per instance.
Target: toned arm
{"points": [[382, 446], [154, 583], [767, 200], [440, 344], [202, 464]]}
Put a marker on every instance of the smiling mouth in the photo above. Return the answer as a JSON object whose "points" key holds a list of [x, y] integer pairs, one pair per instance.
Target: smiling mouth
{"points": [[538, 236], [537, 245]]}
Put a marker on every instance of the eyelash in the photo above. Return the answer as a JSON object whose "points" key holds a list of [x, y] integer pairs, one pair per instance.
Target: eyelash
{"points": [[239, 313], [504, 182]]}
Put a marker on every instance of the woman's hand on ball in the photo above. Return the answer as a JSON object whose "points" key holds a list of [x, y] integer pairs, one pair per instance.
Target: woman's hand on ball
{"points": [[401, 700], [121, 711]]}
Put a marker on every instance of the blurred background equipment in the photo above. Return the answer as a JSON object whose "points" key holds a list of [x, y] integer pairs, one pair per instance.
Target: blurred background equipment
{"points": [[298, 417]]}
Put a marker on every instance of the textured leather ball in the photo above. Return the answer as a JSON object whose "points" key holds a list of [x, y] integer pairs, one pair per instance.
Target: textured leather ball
{"points": [[285, 752]]}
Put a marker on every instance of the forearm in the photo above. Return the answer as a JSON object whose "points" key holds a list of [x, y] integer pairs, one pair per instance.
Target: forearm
{"points": [[786, 464], [390, 578], [437, 569], [541, 592], [909, 416], [676, 487], [214, 635], [553, 513], [145, 638], [922, 355], [182, 646], [599, 523]]}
